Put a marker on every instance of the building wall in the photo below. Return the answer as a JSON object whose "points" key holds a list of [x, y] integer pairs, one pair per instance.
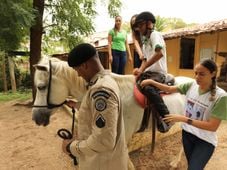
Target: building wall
{"points": [[173, 55], [222, 46], [215, 42]]}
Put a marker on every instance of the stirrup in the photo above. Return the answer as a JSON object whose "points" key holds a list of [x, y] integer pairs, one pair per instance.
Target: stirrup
{"points": [[163, 126]]}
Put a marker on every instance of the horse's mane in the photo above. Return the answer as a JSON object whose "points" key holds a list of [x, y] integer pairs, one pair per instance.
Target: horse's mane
{"points": [[59, 67], [61, 70]]}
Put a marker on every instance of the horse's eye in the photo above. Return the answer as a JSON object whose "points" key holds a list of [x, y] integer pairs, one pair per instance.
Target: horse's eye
{"points": [[41, 87]]}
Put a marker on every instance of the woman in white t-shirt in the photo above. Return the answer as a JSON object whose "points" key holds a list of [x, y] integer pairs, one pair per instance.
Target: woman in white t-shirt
{"points": [[206, 106]]}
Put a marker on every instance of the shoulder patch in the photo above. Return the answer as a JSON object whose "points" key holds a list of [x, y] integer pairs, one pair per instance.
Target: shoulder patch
{"points": [[101, 93], [100, 104], [100, 121]]}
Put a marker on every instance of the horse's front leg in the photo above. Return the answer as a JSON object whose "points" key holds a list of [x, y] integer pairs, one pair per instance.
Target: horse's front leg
{"points": [[130, 164], [175, 162]]}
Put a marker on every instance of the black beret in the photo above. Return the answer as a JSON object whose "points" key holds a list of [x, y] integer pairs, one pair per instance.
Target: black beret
{"points": [[80, 54], [145, 16]]}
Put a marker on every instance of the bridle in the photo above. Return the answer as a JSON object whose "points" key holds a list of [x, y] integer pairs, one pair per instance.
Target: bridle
{"points": [[63, 133], [50, 105]]}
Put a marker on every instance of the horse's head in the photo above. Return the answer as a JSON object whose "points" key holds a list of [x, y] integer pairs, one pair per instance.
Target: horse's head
{"points": [[51, 91]]}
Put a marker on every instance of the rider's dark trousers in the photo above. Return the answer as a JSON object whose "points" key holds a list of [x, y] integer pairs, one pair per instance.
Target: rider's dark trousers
{"points": [[154, 97]]}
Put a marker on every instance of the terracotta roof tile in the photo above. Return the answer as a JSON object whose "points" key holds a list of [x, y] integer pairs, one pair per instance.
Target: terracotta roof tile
{"points": [[198, 29]]}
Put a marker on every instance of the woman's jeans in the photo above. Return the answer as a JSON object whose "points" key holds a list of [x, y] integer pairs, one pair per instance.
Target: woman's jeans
{"points": [[119, 61], [197, 151]]}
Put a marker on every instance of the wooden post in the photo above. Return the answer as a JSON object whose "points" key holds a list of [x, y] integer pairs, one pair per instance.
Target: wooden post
{"points": [[222, 80], [4, 72], [12, 75]]}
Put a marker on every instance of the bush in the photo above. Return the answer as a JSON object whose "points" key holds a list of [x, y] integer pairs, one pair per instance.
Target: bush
{"points": [[26, 82]]}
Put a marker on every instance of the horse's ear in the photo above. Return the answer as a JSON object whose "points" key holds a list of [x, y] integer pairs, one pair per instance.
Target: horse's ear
{"points": [[40, 67]]}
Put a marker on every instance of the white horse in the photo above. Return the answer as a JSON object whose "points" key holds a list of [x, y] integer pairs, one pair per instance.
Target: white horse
{"points": [[56, 81]]}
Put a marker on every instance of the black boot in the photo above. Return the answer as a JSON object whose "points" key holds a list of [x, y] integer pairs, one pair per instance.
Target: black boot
{"points": [[153, 96], [162, 126]]}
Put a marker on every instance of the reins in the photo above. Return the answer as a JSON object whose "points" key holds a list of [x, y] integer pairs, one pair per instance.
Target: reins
{"points": [[66, 134], [63, 133]]}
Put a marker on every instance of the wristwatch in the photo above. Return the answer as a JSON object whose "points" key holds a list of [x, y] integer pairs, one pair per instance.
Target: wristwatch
{"points": [[189, 121]]}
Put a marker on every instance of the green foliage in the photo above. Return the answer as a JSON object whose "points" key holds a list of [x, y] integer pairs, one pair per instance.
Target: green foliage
{"points": [[20, 96], [26, 81], [23, 77], [16, 17], [176, 23], [161, 23], [113, 7], [126, 26], [22, 74], [69, 21], [166, 24]]}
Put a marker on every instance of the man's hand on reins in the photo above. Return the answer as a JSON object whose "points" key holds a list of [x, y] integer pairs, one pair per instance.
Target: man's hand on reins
{"points": [[65, 143], [66, 149]]}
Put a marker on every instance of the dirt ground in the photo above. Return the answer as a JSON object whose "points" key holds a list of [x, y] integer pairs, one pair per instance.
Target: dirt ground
{"points": [[25, 146]]}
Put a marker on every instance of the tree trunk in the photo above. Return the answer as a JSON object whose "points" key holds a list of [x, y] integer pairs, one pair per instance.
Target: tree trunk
{"points": [[36, 32], [4, 73], [12, 74]]}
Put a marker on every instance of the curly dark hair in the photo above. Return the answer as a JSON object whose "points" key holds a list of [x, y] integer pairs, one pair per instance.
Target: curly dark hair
{"points": [[145, 16]]}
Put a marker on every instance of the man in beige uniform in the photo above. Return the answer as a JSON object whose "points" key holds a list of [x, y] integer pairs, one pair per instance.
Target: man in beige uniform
{"points": [[101, 141]]}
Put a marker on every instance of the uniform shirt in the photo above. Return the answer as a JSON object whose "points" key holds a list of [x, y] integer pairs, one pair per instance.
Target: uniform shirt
{"points": [[101, 141], [118, 40], [149, 45], [199, 107]]}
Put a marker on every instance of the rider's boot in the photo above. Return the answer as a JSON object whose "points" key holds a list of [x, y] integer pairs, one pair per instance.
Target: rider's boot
{"points": [[154, 97]]}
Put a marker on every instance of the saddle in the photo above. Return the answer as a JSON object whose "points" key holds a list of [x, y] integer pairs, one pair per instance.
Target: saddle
{"points": [[140, 97], [146, 104]]}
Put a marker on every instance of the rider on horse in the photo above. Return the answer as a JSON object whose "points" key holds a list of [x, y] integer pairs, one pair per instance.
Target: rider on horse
{"points": [[154, 64]]}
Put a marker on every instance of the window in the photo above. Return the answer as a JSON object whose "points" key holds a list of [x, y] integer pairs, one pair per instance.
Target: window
{"points": [[206, 53], [187, 48]]}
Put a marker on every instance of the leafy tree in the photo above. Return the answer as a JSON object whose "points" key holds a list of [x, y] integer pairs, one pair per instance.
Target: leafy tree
{"points": [[176, 23], [15, 17], [70, 20], [161, 23], [126, 26], [166, 24]]}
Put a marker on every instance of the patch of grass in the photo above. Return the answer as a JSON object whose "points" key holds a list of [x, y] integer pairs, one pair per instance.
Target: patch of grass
{"points": [[19, 95]]}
